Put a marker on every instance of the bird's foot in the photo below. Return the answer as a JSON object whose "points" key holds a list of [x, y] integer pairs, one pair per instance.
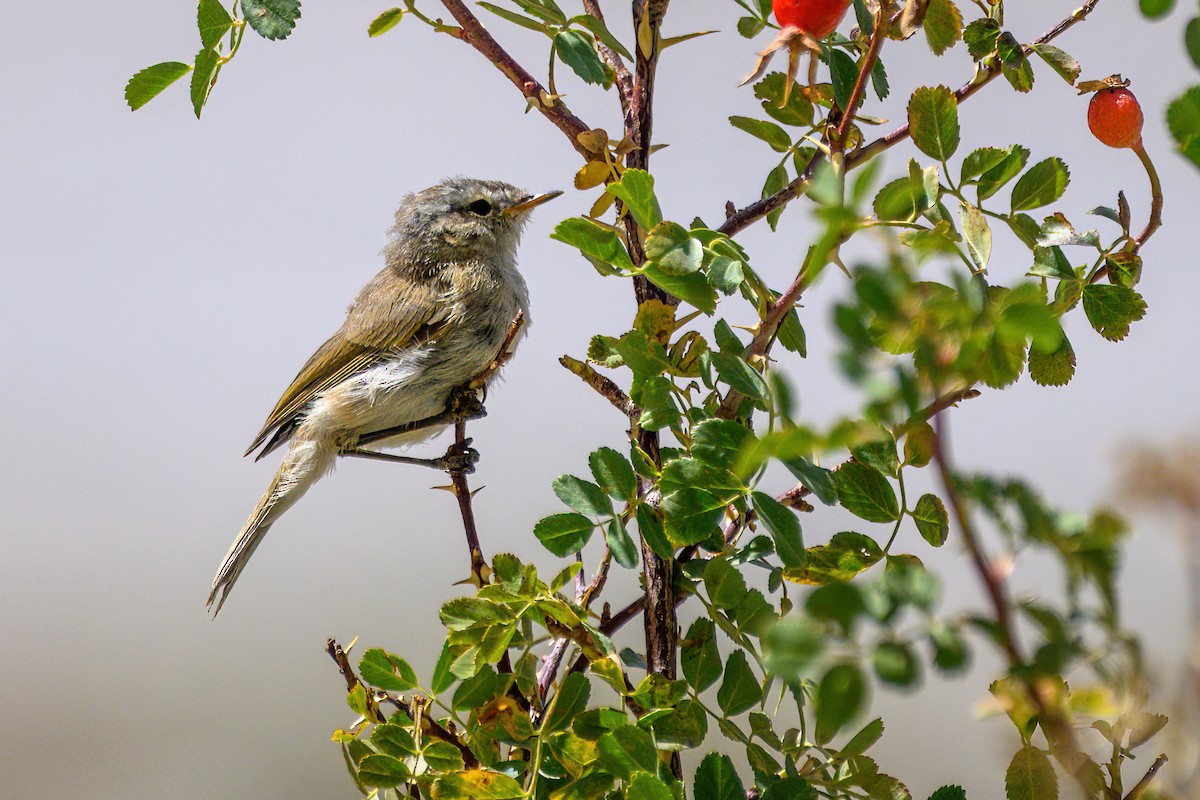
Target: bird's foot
{"points": [[459, 459], [465, 405]]}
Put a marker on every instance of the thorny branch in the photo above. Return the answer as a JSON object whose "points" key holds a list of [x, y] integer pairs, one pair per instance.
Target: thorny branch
{"points": [[603, 386], [624, 79], [473, 33]]}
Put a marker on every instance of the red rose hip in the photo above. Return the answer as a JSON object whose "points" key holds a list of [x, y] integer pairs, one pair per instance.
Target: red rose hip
{"points": [[1115, 117], [817, 18]]}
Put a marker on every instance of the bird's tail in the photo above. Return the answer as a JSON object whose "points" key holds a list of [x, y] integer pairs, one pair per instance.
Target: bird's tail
{"points": [[304, 464]]}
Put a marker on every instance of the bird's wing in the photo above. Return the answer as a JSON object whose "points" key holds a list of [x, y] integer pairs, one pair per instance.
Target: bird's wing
{"points": [[390, 315]]}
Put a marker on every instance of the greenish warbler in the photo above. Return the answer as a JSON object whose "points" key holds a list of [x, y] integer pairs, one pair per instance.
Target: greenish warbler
{"points": [[432, 320]]}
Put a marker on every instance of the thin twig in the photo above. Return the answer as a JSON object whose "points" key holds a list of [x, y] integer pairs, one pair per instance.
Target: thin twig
{"points": [[474, 34], [943, 402], [1156, 198], [583, 597], [462, 493], [755, 211], [864, 75], [605, 387], [1144, 784], [1059, 733]]}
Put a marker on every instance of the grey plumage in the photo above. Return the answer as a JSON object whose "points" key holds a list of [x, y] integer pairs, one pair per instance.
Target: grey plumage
{"points": [[430, 321]]}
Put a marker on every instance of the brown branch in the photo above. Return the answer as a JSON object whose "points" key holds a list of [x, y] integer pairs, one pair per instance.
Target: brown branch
{"points": [[430, 726], [605, 387], [864, 75], [624, 79], [1059, 733], [943, 402], [583, 597], [473, 33], [755, 211], [1144, 784]]}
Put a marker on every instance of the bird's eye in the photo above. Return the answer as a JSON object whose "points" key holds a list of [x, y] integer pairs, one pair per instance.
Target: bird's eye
{"points": [[480, 207]]}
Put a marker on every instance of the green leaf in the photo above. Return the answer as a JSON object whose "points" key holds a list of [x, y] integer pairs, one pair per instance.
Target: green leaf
{"points": [[1191, 40], [998, 176], [840, 696], [864, 492], [146, 84], [843, 73], [693, 288], [740, 691], [673, 250], [394, 740], [864, 740], [932, 520], [383, 771], [1013, 63], [564, 534], [578, 52], [846, 555], [1183, 120], [724, 583], [792, 646], [683, 728], [933, 121], [636, 191], [204, 72], [213, 21], [980, 36], [791, 789], [1051, 262], [699, 656], [645, 786], [650, 527], [716, 779], [740, 376], [949, 793], [943, 25], [1053, 369], [879, 454], [692, 515], [1044, 183], [602, 33], [777, 178], [386, 21], [596, 242], [978, 235], [570, 700], [818, 480], [1030, 776], [895, 664], [517, 19], [620, 544], [626, 750], [1067, 68], [476, 784], [749, 27], [980, 161], [386, 671], [583, 496], [781, 521], [442, 756], [655, 399], [769, 132], [798, 111], [1156, 9], [902, 200], [1112, 309], [476, 691], [271, 19], [614, 473]]}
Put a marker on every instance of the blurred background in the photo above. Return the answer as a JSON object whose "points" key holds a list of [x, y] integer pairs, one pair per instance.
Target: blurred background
{"points": [[165, 278]]}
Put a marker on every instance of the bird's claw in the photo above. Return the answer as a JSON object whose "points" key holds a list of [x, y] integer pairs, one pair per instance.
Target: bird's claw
{"points": [[460, 460], [465, 405]]}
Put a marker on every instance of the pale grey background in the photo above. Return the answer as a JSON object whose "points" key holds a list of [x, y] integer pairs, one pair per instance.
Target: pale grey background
{"points": [[164, 279]]}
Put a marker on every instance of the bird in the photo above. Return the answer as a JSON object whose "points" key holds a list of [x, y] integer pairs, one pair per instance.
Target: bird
{"points": [[433, 319]]}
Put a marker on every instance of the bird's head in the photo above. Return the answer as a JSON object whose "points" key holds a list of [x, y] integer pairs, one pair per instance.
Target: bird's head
{"points": [[461, 218]]}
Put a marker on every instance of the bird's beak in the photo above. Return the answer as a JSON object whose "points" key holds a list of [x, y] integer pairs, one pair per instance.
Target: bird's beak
{"points": [[530, 203]]}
